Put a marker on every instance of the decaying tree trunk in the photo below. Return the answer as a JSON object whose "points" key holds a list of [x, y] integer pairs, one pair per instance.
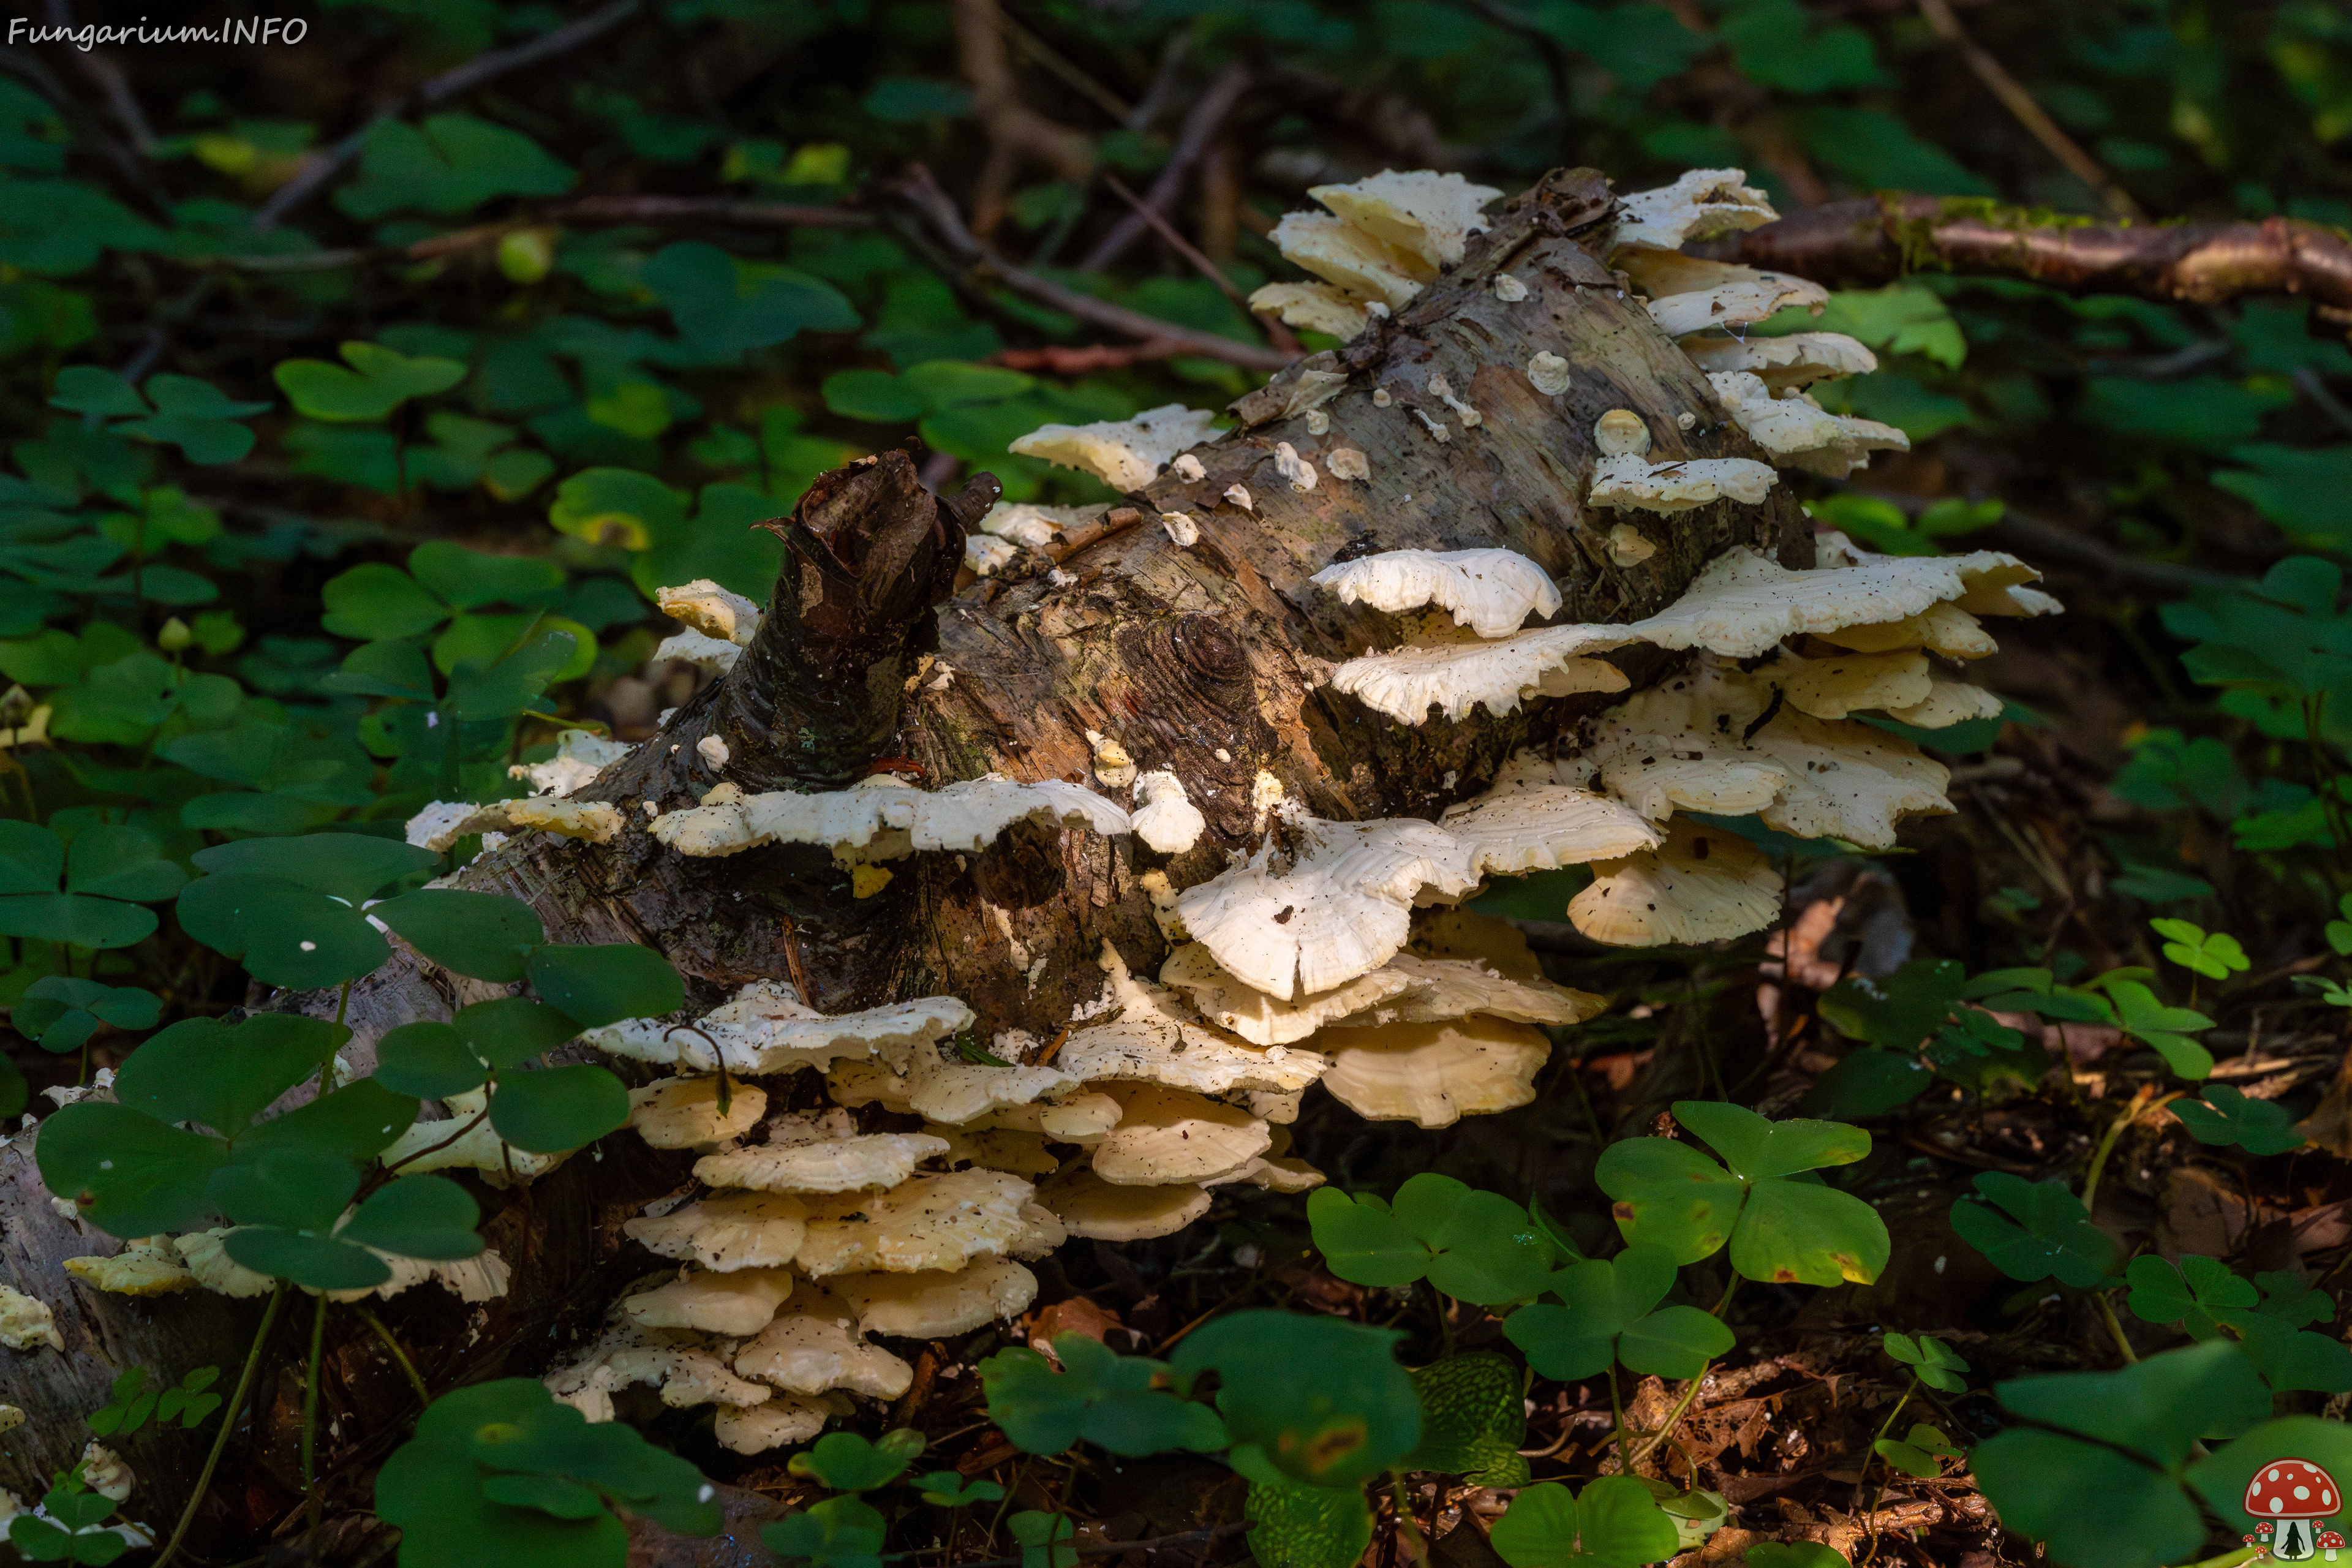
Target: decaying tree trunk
{"points": [[1207, 660]]}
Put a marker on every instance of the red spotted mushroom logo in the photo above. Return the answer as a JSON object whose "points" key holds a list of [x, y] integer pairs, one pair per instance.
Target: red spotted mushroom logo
{"points": [[2288, 1500]]}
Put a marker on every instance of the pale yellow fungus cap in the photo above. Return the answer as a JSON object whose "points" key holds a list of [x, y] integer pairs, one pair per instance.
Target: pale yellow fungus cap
{"points": [[1433, 1074], [1095, 1210], [150, 1265], [929, 1222], [705, 607], [1266, 1020], [1704, 204], [1426, 214], [1166, 1135], [1798, 431], [936, 1304], [736, 1303], [1313, 307], [779, 1423], [1362, 264], [813, 1346], [727, 1232], [684, 1114], [821, 1165], [206, 1257], [1702, 884], [478, 1149], [1784, 363]]}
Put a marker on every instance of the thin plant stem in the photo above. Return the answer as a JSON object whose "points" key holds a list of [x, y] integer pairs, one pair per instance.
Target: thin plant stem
{"points": [[2114, 1329], [228, 1423], [1617, 1409], [1674, 1417], [310, 1414], [2107, 1144], [424, 1395], [1884, 1481]]}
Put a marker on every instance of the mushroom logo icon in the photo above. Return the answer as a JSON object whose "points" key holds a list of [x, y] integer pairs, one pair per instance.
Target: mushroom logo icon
{"points": [[2294, 1495]]}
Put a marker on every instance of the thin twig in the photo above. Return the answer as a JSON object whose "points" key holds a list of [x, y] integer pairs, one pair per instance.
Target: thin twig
{"points": [[2030, 114], [2314, 385], [923, 195], [1199, 134], [1279, 335], [228, 1423], [320, 170], [1073, 75]]}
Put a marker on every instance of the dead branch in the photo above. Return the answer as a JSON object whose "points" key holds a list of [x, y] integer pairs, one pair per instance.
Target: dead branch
{"points": [[1871, 242], [1017, 135], [1201, 127], [921, 194], [319, 171]]}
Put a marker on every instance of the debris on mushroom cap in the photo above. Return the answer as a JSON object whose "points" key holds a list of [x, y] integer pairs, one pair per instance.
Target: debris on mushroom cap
{"points": [[1125, 454], [149, 1266], [1525, 821], [1702, 204], [1164, 818], [1688, 294], [478, 1148], [828, 1165], [1251, 1014], [579, 756], [935, 1304], [929, 1222], [1144, 1040], [1429, 215], [1313, 307], [1167, 1135], [1034, 526], [1948, 702], [1835, 687], [1548, 374], [766, 1029], [1332, 906], [1362, 264], [1095, 1210], [1445, 988], [813, 1346], [1794, 428], [735, 1303], [1702, 884], [206, 1256], [1947, 629], [1492, 592], [706, 607], [1678, 484], [727, 1232], [1627, 547], [1435, 1074], [683, 1112], [986, 554], [1744, 603], [967, 814], [1797, 360], [103, 1471], [786, 1419], [689, 1370], [1457, 677], [697, 648]]}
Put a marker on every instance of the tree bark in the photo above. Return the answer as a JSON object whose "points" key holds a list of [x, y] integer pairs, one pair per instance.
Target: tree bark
{"points": [[1208, 660]]}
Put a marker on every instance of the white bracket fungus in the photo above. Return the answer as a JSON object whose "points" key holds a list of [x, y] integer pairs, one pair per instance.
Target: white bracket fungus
{"points": [[713, 750], [1148, 1042], [706, 607], [736, 1303], [1347, 463], [1167, 1135], [1114, 767], [778, 1423], [1313, 307], [766, 1028], [714, 656], [148, 1265], [1361, 263], [1097, 1210], [965, 816], [1620, 433], [1165, 819], [1296, 471], [579, 756], [1835, 687], [1333, 904], [1492, 592], [1125, 454], [791, 1162], [442, 823], [1508, 288], [1182, 530], [1188, 468], [1471, 418], [813, 1346], [727, 1232], [1678, 484], [1549, 372], [1428, 214], [928, 1223], [1947, 629], [1689, 295], [1456, 677], [933, 1305], [1948, 702], [1264, 1020], [1702, 204], [1783, 364], [1627, 547], [684, 1112], [1239, 495], [1034, 526], [479, 1148], [1528, 822], [1797, 429], [986, 554]]}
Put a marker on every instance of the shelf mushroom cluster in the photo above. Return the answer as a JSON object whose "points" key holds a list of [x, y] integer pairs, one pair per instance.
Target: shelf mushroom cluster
{"points": [[910, 1205], [1383, 240]]}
